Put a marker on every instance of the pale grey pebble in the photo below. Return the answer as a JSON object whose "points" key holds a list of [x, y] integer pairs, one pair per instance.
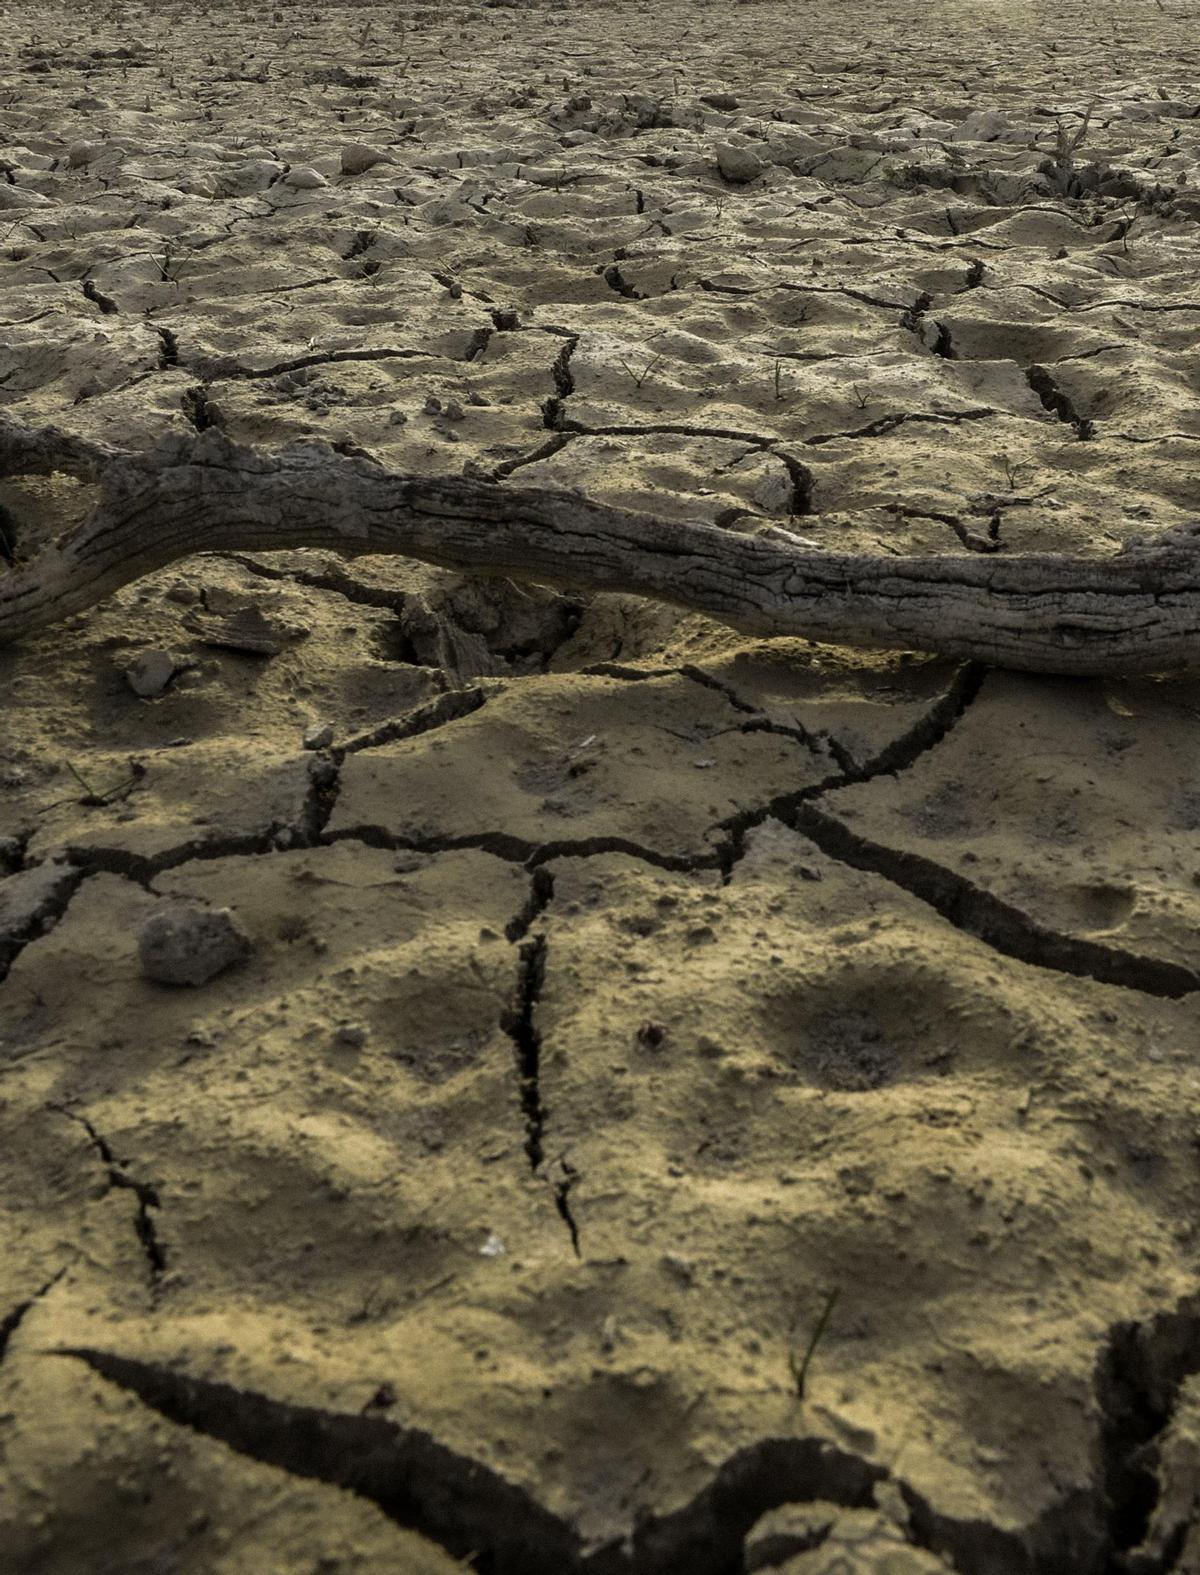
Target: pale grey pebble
{"points": [[83, 152], [150, 672], [359, 156], [738, 165], [319, 735], [183, 944], [305, 178]]}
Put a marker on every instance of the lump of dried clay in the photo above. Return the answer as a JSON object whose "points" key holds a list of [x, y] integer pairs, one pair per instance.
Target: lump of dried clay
{"points": [[305, 178], [738, 164], [150, 672], [183, 944], [359, 156]]}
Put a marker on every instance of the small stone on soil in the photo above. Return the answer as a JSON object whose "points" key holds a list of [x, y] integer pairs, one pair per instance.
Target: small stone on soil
{"points": [[180, 944], [150, 673]]}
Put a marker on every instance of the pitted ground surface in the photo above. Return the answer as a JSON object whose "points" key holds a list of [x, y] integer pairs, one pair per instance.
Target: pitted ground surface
{"points": [[624, 995]]}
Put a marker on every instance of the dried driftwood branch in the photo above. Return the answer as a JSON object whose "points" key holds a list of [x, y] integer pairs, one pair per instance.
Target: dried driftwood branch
{"points": [[1137, 611]]}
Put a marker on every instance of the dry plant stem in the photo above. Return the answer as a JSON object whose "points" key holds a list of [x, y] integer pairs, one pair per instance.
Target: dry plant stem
{"points": [[1139, 611]]}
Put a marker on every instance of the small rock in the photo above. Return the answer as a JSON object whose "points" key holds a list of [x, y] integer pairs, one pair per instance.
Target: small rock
{"points": [[150, 673], [719, 100], [397, 418], [453, 411], [181, 944], [350, 1036], [432, 405], [183, 593], [304, 178], [738, 165], [683, 1269], [319, 735], [360, 156], [83, 152], [19, 197], [773, 491]]}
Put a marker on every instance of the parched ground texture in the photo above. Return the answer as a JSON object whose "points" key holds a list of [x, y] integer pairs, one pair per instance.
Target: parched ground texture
{"points": [[628, 1003]]}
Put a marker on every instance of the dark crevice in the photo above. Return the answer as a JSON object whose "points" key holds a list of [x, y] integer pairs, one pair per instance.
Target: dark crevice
{"points": [[520, 1026], [46, 911], [615, 280], [324, 784], [497, 1527], [362, 243], [331, 578], [448, 707], [928, 731], [943, 344], [885, 424], [545, 450], [517, 850], [141, 868], [475, 1514], [971, 539], [118, 1176], [218, 367], [564, 382], [541, 894], [494, 1525], [759, 722], [633, 675], [1059, 404], [916, 320], [15, 1316], [562, 1202], [480, 340], [987, 917], [898, 755], [105, 302], [199, 409], [807, 289], [168, 356], [802, 480], [753, 440], [1138, 1379], [697, 675]]}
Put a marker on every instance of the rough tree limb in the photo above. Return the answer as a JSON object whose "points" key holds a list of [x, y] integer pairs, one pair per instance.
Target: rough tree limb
{"points": [[1136, 612]]}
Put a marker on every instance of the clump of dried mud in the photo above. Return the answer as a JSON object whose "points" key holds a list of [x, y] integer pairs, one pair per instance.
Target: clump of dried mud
{"points": [[618, 989]]}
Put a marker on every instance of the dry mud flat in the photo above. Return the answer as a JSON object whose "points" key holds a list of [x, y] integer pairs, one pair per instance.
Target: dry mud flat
{"points": [[618, 989]]}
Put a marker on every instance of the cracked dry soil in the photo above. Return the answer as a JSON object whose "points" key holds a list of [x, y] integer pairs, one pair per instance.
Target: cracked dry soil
{"points": [[621, 989]]}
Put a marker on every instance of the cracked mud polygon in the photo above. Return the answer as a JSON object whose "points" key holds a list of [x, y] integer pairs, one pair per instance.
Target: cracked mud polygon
{"points": [[627, 999]]}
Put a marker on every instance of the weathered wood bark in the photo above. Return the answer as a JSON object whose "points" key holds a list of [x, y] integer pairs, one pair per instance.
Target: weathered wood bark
{"points": [[1138, 611]]}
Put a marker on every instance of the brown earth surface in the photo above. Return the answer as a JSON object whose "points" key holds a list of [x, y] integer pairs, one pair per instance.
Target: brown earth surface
{"points": [[627, 1004]]}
